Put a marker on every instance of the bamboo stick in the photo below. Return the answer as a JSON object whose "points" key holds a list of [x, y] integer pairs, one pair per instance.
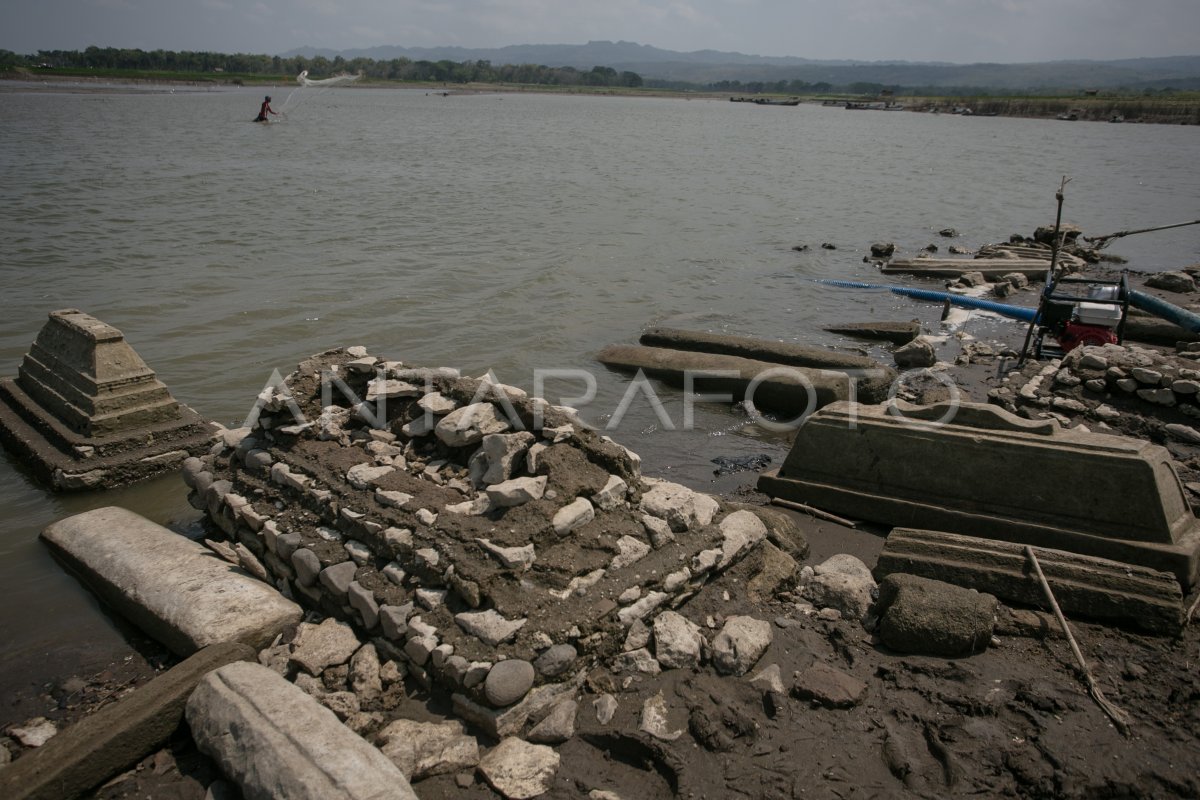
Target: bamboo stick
{"points": [[816, 512], [1119, 718]]}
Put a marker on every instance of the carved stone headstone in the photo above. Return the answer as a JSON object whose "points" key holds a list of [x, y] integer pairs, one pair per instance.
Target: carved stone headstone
{"points": [[977, 470], [86, 412]]}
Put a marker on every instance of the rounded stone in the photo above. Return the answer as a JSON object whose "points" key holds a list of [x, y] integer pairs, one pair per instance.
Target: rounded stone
{"points": [[257, 460], [508, 681], [555, 660], [191, 468]]}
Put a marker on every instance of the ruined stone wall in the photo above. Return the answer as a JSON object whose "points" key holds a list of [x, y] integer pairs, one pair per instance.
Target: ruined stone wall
{"points": [[483, 541], [1109, 382]]}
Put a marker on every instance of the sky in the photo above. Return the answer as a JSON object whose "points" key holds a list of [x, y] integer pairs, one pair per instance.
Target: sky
{"points": [[960, 31]]}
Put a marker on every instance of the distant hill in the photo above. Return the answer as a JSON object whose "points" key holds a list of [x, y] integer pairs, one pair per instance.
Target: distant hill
{"points": [[711, 66]]}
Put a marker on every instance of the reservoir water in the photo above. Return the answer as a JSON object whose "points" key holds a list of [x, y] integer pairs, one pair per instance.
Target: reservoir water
{"points": [[511, 232]]}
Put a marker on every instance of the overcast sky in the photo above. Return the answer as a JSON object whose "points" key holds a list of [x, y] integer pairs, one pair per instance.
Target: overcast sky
{"points": [[961, 31]]}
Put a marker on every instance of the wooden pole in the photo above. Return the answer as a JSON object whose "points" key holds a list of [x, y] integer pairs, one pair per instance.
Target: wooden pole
{"points": [[1119, 718], [816, 512]]}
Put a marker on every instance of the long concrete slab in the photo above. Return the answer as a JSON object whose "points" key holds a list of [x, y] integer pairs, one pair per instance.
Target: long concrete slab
{"points": [[874, 378], [117, 736], [783, 388], [275, 741], [1094, 588], [984, 472], [173, 588], [953, 267]]}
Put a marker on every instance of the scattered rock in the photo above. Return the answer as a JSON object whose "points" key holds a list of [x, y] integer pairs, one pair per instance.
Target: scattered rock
{"points": [[331, 643], [829, 687], [654, 719], [740, 530], [555, 660], [34, 733], [558, 726], [517, 491], [519, 770], [489, 626], [422, 749], [572, 516], [678, 643], [470, 424], [1179, 282], [681, 508], [606, 707], [842, 582], [631, 551], [740, 643], [917, 353]]}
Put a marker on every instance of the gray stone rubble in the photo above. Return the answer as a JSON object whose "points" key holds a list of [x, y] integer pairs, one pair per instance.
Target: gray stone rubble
{"points": [[440, 538]]}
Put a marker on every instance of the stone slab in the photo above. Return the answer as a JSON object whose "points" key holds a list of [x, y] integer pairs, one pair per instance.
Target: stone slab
{"points": [[894, 332], [993, 268], [872, 387], [117, 736], [978, 470], [173, 588], [1093, 588], [275, 741], [790, 389]]}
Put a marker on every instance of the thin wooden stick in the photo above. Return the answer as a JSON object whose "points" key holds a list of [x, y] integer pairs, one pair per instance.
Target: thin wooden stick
{"points": [[816, 512], [1119, 718], [1187, 618]]}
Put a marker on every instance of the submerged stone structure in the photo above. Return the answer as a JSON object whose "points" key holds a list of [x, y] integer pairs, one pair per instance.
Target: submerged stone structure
{"points": [[978, 470], [86, 412]]}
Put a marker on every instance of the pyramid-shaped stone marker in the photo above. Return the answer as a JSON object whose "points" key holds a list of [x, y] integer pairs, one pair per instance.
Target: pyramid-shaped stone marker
{"points": [[86, 412]]}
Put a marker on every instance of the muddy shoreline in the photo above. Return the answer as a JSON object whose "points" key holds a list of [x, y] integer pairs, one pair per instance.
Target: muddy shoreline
{"points": [[1014, 720]]}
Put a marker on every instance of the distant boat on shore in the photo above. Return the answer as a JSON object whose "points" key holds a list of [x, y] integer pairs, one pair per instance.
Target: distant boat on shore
{"points": [[874, 106]]}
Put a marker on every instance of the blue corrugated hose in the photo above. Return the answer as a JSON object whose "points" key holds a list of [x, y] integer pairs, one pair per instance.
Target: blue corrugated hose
{"points": [[1015, 312], [1161, 308]]}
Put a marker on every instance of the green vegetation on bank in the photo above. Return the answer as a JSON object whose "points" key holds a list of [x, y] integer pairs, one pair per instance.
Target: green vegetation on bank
{"points": [[219, 67], [1163, 105]]}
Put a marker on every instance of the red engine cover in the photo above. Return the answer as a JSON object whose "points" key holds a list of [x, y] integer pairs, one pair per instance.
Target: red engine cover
{"points": [[1075, 335]]}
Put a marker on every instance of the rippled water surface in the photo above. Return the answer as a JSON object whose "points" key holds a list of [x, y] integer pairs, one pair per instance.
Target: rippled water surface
{"points": [[510, 232]]}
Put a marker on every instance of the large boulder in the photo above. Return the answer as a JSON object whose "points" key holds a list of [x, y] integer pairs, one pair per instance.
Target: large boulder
{"points": [[927, 617]]}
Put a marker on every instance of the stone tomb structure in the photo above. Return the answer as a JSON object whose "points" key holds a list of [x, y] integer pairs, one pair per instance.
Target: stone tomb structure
{"points": [[978, 470], [492, 553], [85, 412]]}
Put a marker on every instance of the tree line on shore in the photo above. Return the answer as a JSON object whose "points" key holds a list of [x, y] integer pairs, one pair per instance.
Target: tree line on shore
{"points": [[250, 66], [401, 69]]}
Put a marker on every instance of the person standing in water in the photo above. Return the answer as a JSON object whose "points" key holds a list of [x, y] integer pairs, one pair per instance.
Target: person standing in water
{"points": [[266, 109]]}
